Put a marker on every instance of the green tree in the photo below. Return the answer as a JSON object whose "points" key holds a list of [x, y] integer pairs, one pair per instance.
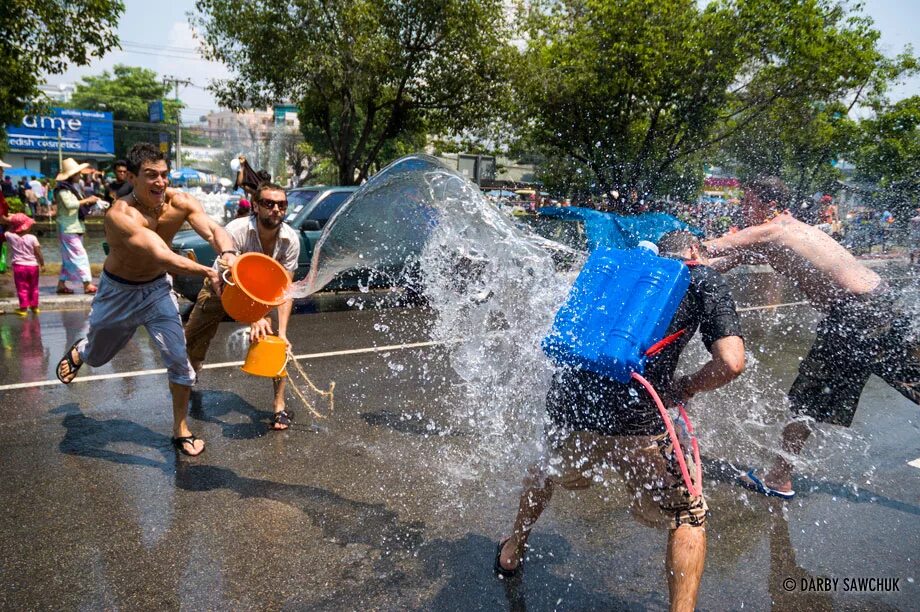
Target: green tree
{"points": [[639, 91], [887, 156], [126, 92], [796, 141], [40, 38], [365, 73]]}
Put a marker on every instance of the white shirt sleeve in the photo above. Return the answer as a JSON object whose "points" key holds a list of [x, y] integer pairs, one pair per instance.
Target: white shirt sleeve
{"points": [[290, 255]]}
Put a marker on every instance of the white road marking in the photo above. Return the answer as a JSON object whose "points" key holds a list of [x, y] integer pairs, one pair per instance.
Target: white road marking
{"points": [[750, 308], [231, 364], [214, 366], [915, 463]]}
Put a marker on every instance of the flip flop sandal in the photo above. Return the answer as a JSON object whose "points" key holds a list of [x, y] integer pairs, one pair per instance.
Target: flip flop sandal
{"points": [[758, 486], [181, 441], [282, 418], [91, 290], [64, 291], [72, 366], [501, 571]]}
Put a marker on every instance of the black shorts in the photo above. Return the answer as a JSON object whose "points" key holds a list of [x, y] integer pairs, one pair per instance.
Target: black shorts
{"points": [[859, 337]]}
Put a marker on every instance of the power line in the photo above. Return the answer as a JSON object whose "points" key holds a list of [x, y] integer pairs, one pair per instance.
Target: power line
{"points": [[161, 51], [155, 46], [186, 58]]}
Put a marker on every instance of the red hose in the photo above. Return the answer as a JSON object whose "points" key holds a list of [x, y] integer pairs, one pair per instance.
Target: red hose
{"points": [[669, 425]]}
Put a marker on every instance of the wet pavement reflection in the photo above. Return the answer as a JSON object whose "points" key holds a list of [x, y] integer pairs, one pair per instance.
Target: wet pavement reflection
{"points": [[381, 506]]}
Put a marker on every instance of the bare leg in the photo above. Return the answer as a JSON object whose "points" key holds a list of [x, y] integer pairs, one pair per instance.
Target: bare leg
{"points": [[538, 490], [685, 560], [278, 384], [180, 397], [795, 434]]}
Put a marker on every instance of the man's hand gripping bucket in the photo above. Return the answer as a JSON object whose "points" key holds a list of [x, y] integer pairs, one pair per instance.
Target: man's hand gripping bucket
{"points": [[256, 284]]}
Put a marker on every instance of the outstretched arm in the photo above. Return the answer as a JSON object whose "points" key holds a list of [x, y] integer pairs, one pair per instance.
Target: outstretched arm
{"points": [[207, 228], [726, 364], [745, 239], [144, 243], [737, 258]]}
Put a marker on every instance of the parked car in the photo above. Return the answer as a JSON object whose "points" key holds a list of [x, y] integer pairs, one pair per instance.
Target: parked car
{"points": [[309, 208]]}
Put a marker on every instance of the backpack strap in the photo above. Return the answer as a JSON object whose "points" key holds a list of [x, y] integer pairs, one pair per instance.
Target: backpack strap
{"points": [[663, 343]]}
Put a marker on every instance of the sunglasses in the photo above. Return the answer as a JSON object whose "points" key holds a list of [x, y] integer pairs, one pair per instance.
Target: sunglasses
{"points": [[270, 204]]}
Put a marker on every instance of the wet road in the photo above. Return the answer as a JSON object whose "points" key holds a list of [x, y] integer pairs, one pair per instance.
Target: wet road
{"points": [[381, 506]]}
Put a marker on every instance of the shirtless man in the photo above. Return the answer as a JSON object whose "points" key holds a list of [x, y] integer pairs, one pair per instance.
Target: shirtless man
{"points": [[861, 335], [135, 289]]}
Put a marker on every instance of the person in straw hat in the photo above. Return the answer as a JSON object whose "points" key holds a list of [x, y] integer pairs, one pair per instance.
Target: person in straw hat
{"points": [[69, 197], [135, 288]]}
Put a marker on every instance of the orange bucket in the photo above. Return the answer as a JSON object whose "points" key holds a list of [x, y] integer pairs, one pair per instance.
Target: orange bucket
{"points": [[257, 284], [267, 357]]}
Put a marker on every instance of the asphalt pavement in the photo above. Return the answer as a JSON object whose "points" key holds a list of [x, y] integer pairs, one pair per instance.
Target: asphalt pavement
{"points": [[380, 505]]}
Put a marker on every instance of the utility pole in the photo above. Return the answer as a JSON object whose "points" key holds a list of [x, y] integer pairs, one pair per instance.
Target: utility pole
{"points": [[177, 81]]}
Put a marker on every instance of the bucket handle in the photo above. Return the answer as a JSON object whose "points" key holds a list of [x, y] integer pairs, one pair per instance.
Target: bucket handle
{"points": [[287, 357], [227, 281]]}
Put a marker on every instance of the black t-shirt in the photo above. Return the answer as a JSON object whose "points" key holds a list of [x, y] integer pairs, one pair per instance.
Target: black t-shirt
{"points": [[579, 399], [120, 188]]}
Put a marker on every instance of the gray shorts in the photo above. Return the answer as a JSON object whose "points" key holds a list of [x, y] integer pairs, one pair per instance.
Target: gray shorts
{"points": [[120, 308]]}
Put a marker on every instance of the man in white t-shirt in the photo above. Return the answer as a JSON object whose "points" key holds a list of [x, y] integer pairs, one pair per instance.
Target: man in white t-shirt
{"points": [[37, 188], [264, 231]]}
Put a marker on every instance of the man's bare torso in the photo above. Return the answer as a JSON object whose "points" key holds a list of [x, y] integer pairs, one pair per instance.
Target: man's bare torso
{"points": [[127, 264], [824, 271]]}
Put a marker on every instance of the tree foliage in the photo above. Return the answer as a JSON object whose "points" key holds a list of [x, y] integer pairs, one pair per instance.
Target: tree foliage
{"points": [[639, 91], [45, 37], [126, 92], [887, 156], [799, 142], [366, 74]]}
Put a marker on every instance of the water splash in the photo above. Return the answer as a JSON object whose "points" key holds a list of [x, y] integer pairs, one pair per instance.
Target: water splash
{"points": [[493, 286]]}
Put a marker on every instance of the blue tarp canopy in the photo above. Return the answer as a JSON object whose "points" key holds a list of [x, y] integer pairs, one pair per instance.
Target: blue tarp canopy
{"points": [[185, 174], [619, 231], [22, 172]]}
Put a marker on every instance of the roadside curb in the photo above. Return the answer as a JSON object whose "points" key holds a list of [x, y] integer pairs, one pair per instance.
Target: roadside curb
{"points": [[326, 300], [58, 302]]}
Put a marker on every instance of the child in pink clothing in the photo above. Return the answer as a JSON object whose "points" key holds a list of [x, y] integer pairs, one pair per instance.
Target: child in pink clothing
{"points": [[26, 258]]}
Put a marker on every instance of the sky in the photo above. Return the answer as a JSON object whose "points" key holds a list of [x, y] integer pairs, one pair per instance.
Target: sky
{"points": [[157, 35]]}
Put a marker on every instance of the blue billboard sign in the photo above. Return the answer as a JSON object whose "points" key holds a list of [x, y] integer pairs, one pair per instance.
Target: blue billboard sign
{"points": [[155, 111], [80, 132]]}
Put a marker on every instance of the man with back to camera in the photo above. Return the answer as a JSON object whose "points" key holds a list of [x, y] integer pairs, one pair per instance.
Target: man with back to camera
{"points": [[135, 289], [264, 231], [862, 333], [597, 422]]}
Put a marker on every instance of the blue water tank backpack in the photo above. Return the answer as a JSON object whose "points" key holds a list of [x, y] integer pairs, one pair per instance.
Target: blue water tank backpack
{"points": [[620, 305]]}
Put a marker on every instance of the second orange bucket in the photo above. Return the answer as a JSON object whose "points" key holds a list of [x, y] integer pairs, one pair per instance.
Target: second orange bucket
{"points": [[267, 357], [256, 284]]}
